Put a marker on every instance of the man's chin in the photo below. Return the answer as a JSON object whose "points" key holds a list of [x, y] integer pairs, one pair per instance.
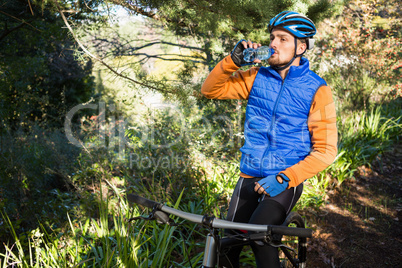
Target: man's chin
{"points": [[276, 64]]}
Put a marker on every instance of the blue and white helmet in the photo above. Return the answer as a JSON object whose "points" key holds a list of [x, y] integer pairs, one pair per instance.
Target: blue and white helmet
{"points": [[297, 24]]}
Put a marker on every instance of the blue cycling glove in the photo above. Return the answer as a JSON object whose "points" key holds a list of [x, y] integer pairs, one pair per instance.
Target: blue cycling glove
{"points": [[271, 185]]}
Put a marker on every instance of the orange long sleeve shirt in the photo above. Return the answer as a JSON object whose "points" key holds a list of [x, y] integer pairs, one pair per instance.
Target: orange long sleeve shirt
{"points": [[227, 82]]}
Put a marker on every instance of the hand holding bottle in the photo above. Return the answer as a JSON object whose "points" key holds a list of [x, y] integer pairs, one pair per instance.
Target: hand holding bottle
{"points": [[238, 56]]}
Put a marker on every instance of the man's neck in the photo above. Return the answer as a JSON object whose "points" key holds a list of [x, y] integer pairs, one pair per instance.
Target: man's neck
{"points": [[283, 73]]}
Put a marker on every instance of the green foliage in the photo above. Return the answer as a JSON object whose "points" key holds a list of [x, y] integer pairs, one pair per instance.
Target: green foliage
{"points": [[108, 241], [217, 127], [41, 78], [39, 73], [359, 57], [221, 24], [214, 19], [314, 192], [366, 136], [33, 165], [63, 206], [204, 31], [322, 9], [100, 236]]}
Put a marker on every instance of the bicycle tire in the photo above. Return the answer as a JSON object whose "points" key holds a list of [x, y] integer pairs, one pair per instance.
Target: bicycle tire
{"points": [[296, 258]]}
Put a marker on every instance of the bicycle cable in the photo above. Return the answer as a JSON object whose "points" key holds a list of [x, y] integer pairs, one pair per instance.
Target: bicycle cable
{"points": [[212, 231]]}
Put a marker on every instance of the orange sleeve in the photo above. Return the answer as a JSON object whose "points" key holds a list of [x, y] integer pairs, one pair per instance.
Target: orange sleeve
{"points": [[324, 137], [226, 82]]}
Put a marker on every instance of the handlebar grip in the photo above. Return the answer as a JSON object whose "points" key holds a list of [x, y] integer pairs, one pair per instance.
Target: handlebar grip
{"points": [[142, 201], [292, 231]]}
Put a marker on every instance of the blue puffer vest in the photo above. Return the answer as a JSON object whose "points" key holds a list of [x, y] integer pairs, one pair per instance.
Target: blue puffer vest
{"points": [[276, 130]]}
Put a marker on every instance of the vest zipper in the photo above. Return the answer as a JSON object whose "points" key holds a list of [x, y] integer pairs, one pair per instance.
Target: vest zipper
{"points": [[272, 125]]}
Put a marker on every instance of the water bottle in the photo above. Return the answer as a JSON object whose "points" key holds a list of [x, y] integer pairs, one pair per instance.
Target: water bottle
{"points": [[261, 53]]}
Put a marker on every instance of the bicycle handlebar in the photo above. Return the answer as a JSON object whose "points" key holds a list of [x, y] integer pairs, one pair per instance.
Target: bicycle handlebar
{"points": [[218, 223], [143, 201]]}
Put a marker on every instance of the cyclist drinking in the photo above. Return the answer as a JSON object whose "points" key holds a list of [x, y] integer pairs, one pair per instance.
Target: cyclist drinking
{"points": [[290, 127]]}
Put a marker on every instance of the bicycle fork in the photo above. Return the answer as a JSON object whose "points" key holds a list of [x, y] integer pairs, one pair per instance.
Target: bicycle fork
{"points": [[210, 252]]}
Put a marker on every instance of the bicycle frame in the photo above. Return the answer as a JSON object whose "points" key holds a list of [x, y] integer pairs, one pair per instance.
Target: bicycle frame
{"points": [[258, 232], [210, 251], [214, 242]]}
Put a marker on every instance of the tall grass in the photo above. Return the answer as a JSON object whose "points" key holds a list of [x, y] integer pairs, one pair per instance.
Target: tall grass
{"points": [[99, 234], [363, 138], [109, 241]]}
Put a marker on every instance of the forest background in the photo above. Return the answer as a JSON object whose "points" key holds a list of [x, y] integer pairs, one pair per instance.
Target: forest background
{"points": [[101, 98]]}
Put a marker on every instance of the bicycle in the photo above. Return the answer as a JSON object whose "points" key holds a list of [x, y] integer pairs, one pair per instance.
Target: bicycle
{"points": [[290, 237]]}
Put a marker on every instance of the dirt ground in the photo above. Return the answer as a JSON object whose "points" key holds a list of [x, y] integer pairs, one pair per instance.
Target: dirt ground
{"points": [[360, 226]]}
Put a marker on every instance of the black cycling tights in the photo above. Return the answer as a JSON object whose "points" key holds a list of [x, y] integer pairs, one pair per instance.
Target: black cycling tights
{"points": [[248, 206]]}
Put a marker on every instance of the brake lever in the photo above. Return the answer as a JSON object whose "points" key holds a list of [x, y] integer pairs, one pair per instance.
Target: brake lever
{"points": [[160, 217], [261, 239], [149, 218], [280, 245]]}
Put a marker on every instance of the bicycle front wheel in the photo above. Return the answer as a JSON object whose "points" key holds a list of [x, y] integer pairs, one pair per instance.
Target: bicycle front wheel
{"points": [[293, 248]]}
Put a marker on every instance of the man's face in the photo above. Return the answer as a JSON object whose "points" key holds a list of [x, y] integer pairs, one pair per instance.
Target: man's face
{"points": [[284, 45]]}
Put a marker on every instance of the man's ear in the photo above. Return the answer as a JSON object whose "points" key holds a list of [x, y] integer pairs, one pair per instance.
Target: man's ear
{"points": [[301, 48]]}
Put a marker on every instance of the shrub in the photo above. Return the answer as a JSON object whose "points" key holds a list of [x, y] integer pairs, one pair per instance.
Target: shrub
{"points": [[358, 54]]}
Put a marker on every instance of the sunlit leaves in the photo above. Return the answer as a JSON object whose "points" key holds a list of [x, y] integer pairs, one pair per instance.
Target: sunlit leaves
{"points": [[359, 53]]}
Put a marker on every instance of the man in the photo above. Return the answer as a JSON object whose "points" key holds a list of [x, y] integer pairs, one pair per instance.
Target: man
{"points": [[290, 127]]}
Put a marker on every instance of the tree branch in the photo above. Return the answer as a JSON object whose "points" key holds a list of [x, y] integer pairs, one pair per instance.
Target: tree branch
{"points": [[136, 9], [30, 7], [7, 31], [24, 22], [150, 14], [100, 60], [168, 59], [151, 44]]}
